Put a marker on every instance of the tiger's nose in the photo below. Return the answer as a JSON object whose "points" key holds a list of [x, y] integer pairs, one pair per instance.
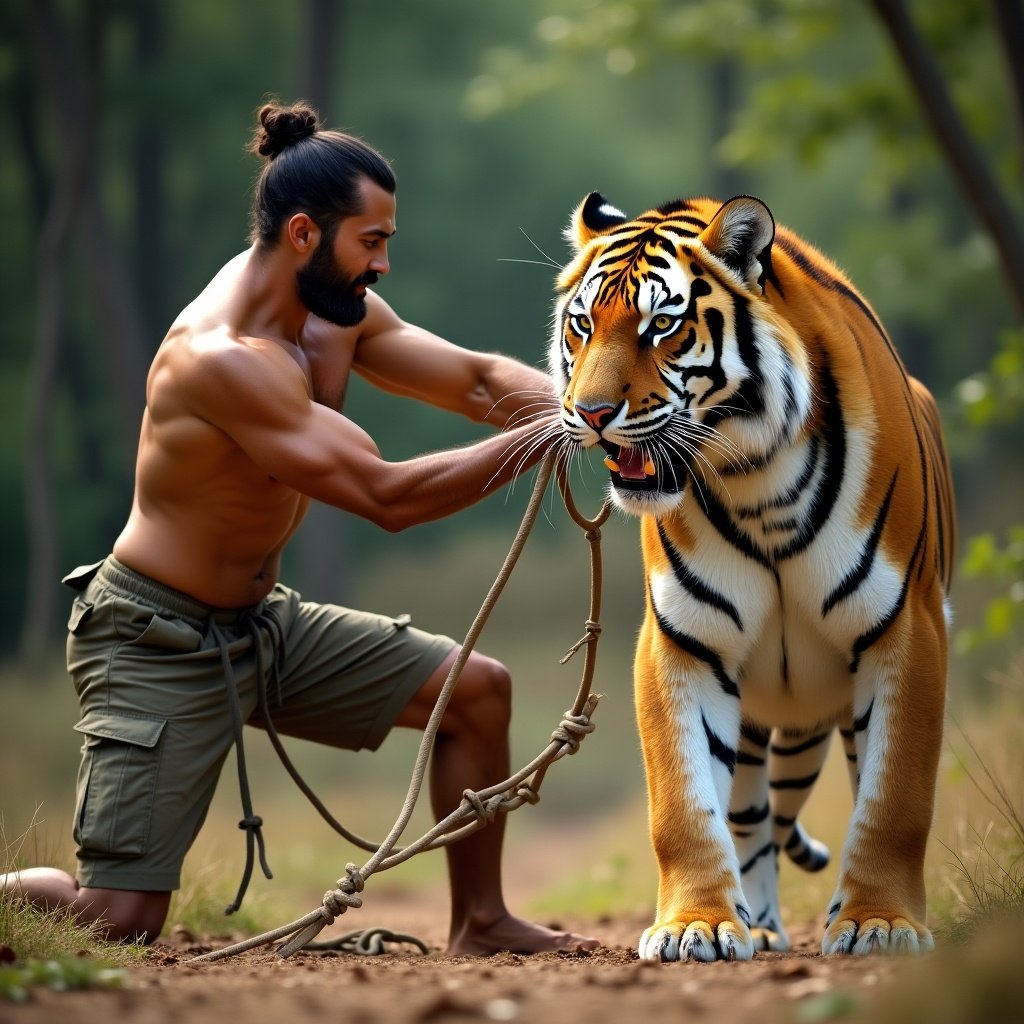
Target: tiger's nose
{"points": [[595, 416]]}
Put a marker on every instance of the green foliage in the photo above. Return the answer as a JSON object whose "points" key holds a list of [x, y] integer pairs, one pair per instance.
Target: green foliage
{"points": [[60, 975], [997, 394], [990, 399], [1003, 567]]}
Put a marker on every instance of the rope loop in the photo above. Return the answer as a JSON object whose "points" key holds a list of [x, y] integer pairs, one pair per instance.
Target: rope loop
{"points": [[572, 730], [527, 793], [485, 810]]}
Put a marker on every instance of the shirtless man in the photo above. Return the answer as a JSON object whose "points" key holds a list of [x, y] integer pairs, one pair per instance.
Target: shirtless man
{"points": [[185, 631]]}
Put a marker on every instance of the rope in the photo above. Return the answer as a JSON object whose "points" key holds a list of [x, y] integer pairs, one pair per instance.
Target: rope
{"points": [[477, 808]]}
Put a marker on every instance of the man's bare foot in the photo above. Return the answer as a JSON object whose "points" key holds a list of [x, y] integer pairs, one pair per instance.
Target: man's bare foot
{"points": [[514, 935]]}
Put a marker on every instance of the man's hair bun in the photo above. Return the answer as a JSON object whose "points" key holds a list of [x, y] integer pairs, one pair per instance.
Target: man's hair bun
{"points": [[280, 127]]}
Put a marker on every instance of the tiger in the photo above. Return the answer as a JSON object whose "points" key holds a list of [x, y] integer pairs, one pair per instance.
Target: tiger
{"points": [[797, 530]]}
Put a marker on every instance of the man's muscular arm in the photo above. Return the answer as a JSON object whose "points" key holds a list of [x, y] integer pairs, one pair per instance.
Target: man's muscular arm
{"points": [[255, 392], [408, 360]]}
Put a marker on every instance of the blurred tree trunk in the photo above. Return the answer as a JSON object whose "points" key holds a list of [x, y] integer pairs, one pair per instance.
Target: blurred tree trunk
{"points": [[69, 81], [1009, 21], [149, 239], [722, 97], [321, 543], [972, 174], [120, 333]]}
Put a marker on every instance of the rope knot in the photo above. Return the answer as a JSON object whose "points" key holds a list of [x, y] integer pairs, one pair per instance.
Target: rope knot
{"points": [[572, 729], [527, 793], [593, 631], [485, 810], [353, 880], [252, 821], [336, 902]]}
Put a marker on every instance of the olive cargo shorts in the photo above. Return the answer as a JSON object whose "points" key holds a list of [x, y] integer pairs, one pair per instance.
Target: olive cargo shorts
{"points": [[146, 664]]}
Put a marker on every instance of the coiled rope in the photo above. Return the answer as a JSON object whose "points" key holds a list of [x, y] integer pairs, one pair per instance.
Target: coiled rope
{"points": [[477, 807]]}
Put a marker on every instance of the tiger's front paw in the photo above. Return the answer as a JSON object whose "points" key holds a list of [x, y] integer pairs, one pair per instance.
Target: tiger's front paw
{"points": [[770, 939], [684, 940], [862, 935]]}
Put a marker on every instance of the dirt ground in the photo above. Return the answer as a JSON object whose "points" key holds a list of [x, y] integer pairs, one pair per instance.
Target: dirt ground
{"points": [[607, 985]]}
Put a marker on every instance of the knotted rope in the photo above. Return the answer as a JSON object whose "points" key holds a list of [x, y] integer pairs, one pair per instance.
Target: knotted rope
{"points": [[477, 808]]}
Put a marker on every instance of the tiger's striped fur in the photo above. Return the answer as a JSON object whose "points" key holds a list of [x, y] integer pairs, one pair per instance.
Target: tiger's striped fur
{"points": [[797, 526]]}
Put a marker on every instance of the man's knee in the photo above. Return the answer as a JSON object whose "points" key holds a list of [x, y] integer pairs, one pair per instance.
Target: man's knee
{"points": [[124, 915], [484, 693]]}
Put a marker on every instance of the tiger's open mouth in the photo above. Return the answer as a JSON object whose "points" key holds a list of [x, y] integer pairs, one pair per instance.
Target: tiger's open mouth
{"points": [[630, 467]]}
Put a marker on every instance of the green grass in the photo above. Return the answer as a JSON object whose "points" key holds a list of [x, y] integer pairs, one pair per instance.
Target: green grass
{"points": [[51, 948], [987, 868]]}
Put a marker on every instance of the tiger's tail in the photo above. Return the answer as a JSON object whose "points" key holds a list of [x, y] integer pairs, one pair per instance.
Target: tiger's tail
{"points": [[804, 850]]}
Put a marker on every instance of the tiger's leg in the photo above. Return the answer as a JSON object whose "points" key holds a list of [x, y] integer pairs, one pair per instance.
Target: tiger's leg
{"points": [[751, 824], [849, 737], [796, 761], [899, 693], [689, 718]]}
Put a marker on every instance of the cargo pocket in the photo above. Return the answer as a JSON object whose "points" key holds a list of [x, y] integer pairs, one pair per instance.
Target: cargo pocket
{"points": [[117, 783], [168, 635], [80, 612]]}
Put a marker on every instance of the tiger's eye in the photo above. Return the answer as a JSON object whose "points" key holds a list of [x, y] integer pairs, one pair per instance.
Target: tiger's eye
{"points": [[663, 323], [583, 324]]}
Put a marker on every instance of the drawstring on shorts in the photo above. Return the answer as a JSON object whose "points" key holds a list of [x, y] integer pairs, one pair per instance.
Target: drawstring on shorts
{"points": [[252, 824]]}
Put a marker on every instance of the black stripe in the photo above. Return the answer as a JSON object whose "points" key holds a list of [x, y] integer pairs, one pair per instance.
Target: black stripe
{"points": [[856, 576], [694, 647], [751, 816], [860, 724], [794, 493], [814, 741], [759, 737], [720, 750], [808, 856], [744, 758], [693, 585], [866, 639], [719, 518], [763, 852], [783, 821], [803, 783], [794, 841], [799, 257], [833, 470]]}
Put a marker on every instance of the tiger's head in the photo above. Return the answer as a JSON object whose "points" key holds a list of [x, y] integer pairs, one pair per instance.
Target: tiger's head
{"points": [[665, 350]]}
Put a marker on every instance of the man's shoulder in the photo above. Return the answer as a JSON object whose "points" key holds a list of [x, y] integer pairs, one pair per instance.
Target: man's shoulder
{"points": [[215, 369]]}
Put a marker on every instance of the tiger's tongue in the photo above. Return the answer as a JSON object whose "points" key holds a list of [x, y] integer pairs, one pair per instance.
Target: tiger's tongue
{"points": [[631, 464]]}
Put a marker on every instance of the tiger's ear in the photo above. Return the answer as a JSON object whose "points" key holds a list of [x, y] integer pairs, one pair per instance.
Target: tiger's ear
{"points": [[593, 217], [741, 236]]}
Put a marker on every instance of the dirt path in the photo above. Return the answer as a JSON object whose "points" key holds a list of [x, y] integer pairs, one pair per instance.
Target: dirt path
{"points": [[608, 985]]}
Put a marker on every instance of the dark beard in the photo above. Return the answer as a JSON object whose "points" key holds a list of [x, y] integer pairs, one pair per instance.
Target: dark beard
{"points": [[327, 293]]}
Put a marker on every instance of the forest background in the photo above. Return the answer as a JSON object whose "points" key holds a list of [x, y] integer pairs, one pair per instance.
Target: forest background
{"points": [[891, 135]]}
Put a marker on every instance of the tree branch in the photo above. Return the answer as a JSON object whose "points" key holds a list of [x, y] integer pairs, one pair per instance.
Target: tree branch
{"points": [[1009, 20], [979, 186]]}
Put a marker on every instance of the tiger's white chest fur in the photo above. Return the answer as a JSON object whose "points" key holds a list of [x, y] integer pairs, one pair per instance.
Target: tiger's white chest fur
{"points": [[773, 607]]}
